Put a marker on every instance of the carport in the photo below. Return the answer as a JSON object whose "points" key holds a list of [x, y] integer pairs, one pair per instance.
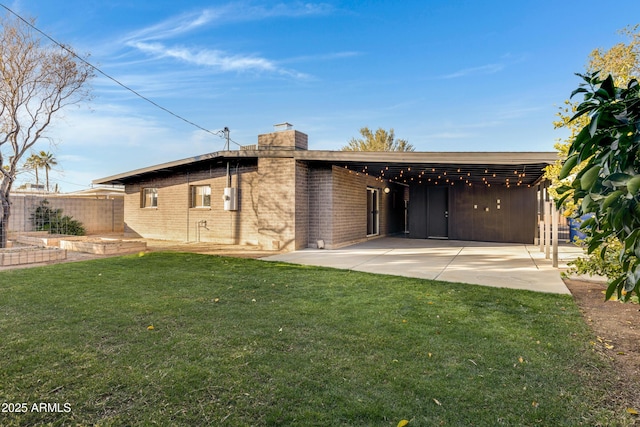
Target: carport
{"points": [[478, 196], [507, 265]]}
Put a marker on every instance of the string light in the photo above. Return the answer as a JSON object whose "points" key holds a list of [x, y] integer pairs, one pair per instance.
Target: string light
{"points": [[429, 175]]}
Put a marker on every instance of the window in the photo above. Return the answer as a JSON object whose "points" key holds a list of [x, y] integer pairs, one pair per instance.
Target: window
{"points": [[200, 196], [149, 197]]}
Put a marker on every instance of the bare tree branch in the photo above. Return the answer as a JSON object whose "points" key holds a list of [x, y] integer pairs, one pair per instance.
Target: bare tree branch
{"points": [[36, 82]]}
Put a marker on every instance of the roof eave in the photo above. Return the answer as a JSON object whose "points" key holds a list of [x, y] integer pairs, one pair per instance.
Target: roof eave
{"points": [[467, 157]]}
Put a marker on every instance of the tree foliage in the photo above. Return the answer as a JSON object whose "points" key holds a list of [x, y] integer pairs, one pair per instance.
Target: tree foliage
{"points": [[47, 161], [37, 82], [622, 62], [607, 184], [33, 163], [43, 160], [603, 263], [381, 140]]}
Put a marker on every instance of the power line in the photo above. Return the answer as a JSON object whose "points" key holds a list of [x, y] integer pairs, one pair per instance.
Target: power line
{"points": [[219, 133]]}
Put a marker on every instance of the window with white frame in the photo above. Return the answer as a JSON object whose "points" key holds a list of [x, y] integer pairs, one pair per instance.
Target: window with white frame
{"points": [[149, 198], [200, 196]]}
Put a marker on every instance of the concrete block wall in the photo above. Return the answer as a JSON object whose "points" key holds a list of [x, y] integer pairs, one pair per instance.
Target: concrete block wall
{"points": [[349, 214], [338, 206], [320, 206], [302, 205], [276, 203], [96, 215], [175, 219], [283, 140], [273, 201]]}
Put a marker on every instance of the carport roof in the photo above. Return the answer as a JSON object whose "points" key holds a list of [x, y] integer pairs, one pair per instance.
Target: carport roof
{"points": [[450, 168]]}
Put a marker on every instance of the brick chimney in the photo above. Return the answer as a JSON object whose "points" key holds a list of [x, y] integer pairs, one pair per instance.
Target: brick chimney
{"points": [[284, 138]]}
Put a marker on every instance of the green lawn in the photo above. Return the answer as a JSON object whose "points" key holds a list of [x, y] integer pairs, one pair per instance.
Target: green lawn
{"points": [[243, 342]]}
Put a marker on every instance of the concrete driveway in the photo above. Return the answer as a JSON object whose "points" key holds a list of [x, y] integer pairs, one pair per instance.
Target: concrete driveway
{"points": [[503, 265]]}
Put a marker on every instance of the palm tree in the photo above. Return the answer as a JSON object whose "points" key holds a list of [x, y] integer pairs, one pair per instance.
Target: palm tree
{"points": [[33, 162], [47, 161]]}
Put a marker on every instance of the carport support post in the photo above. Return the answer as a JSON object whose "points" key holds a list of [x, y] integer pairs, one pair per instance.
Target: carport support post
{"points": [[547, 230], [554, 241], [542, 204]]}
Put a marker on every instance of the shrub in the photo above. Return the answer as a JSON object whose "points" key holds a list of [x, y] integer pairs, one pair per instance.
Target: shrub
{"points": [[605, 262], [45, 218]]}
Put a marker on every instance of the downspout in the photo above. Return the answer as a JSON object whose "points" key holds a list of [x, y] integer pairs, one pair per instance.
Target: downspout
{"points": [[188, 203], [226, 134], [235, 223]]}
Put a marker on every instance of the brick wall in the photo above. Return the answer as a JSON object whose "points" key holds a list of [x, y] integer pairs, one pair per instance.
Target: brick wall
{"points": [[282, 193], [338, 207], [320, 206], [276, 203], [349, 214], [302, 205], [283, 140], [273, 204], [96, 215], [174, 219]]}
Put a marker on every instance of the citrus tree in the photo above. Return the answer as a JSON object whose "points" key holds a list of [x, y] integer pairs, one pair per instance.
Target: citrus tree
{"points": [[606, 151], [622, 62]]}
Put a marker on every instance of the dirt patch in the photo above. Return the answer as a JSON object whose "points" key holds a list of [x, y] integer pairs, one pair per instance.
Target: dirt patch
{"points": [[617, 328], [238, 251]]}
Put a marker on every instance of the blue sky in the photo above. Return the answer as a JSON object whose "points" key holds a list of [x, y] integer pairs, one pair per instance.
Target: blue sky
{"points": [[446, 75]]}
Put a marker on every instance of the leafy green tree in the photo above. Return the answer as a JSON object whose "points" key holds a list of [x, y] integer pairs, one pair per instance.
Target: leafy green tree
{"points": [[37, 81], [381, 140], [608, 182], [622, 61]]}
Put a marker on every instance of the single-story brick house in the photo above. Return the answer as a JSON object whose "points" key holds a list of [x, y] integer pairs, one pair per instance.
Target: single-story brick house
{"points": [[280, 195]]}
